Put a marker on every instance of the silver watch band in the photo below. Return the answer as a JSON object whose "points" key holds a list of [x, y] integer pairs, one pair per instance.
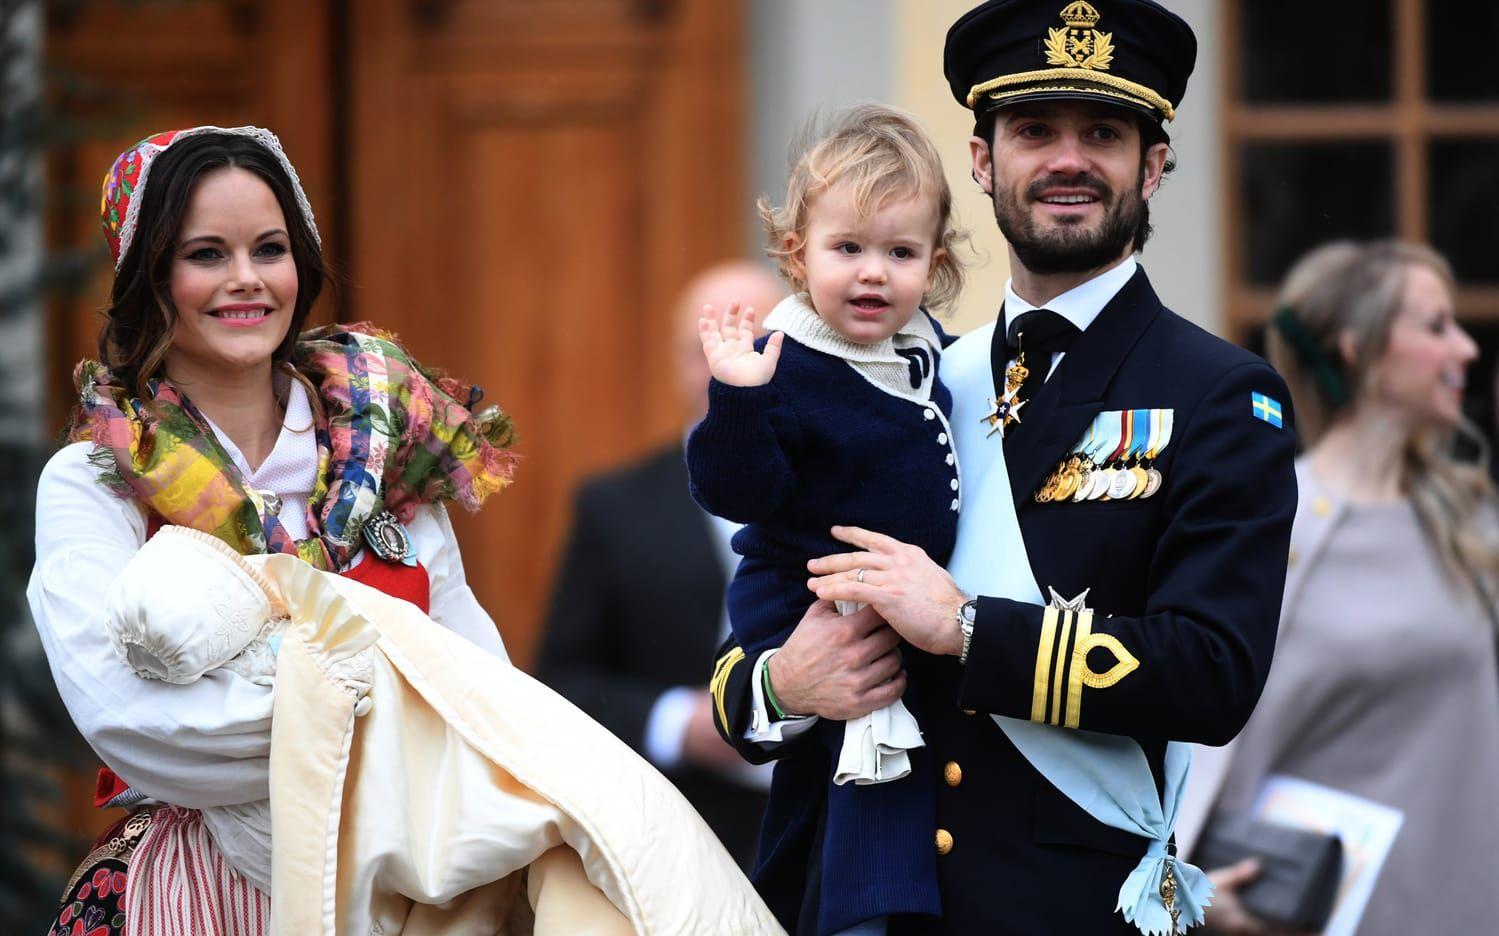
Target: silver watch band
{"points": [[965, 624]]}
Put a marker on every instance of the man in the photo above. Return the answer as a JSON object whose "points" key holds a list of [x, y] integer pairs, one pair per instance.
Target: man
{"points": [[1127, 495], [638, 603]]}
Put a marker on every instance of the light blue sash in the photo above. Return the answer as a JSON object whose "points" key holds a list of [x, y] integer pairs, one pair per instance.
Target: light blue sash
{"points": [[1107, 775]]}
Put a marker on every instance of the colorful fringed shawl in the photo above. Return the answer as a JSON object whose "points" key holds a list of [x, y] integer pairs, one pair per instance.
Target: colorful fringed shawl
{"points": [[391, 435]]}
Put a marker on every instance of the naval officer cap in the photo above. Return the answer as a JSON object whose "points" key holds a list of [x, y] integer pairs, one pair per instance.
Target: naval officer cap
{"points": [[1129, 52]]}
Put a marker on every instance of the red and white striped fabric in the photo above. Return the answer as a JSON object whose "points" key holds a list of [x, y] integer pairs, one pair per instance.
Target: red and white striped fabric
{"points": [[180, 885]]}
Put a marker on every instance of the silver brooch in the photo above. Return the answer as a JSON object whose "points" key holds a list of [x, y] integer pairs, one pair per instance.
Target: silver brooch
{"points": [[388, 538]]}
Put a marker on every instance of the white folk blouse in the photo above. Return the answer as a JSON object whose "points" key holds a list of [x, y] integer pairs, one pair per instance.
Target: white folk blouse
{"points": [[207, 743]]}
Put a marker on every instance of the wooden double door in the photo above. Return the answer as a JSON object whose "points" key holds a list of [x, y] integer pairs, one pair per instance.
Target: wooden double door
{"points": [[515, 187]]}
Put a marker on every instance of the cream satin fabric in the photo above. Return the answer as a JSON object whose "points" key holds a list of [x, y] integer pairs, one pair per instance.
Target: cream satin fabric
{"points": [[417, 816]]}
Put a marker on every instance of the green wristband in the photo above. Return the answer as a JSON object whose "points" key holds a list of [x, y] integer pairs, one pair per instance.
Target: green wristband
{"points": [[770, 696]]}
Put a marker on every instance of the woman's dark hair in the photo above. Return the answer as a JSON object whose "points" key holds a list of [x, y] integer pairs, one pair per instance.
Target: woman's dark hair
{"points": [[140, 317]]}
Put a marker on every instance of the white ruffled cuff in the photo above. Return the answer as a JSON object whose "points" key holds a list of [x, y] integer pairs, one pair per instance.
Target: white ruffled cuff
{"points": [[874, 746]]}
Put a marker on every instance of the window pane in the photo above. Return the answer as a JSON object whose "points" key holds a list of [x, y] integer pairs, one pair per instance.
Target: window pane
{"points": [[1463, 190], [1459, 50], [1333, 50], [1299, 195], [1479, 394]]}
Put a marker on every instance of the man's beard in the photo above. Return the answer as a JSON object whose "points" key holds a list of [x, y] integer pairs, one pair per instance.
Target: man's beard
{"points": [[1070, 247]]}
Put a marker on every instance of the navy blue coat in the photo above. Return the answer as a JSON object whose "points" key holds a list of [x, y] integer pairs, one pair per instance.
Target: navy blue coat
{"points": [[1189, 581], [817, 446]]}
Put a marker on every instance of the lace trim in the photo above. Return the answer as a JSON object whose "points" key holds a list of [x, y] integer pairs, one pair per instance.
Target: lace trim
{"points": [[260, 135]]}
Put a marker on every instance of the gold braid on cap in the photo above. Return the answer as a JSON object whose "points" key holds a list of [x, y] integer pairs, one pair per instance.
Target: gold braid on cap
{"points": [[1123, 87]]}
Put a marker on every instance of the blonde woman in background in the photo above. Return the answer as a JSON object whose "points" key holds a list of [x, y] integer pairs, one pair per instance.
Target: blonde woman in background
{"points": [[1384, 683]]}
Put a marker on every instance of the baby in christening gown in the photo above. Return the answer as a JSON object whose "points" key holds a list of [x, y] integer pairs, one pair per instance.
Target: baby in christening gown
{"points": [[185, 606], [494, 772]]}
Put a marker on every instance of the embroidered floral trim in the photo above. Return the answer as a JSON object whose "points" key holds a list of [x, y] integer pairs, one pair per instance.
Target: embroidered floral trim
{"points": [[124, 183]]}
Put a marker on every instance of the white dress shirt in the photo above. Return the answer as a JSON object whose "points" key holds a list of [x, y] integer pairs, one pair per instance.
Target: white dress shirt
{"points": [[206, 743], [1080, 305]]}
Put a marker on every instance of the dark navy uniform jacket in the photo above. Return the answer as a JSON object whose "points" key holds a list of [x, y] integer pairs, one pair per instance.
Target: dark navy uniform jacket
{"points": [[1187, 581]]}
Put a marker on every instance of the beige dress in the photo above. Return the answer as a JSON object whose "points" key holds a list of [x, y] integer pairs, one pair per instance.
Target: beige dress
{"points": [[418, 788], [1384, 685]]}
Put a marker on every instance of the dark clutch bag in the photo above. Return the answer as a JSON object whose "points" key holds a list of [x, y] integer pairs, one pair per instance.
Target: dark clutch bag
{"points": [[1300, 870]]}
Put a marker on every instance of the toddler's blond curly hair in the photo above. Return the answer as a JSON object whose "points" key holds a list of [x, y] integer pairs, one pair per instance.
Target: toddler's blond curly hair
{"points": [[883, 154]]}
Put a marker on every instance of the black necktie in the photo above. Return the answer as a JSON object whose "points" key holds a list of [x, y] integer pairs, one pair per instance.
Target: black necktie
{"points": [[1038, 335]]}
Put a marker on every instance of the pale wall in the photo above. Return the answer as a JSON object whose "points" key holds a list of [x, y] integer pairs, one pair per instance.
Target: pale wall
{"points": [[1184, 257], [921, 88], [808, 57]]}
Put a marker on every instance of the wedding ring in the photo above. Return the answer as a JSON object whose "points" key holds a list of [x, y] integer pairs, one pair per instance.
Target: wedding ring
{"points": [[860, 577]]}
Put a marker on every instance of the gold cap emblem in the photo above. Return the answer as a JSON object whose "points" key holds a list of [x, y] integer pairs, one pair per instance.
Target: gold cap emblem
{"points": [[1080, 15], [1078, 44]]}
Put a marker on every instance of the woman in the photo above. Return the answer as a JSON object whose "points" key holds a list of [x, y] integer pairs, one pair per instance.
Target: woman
{"points": [[1384, 683], [207, 411]]}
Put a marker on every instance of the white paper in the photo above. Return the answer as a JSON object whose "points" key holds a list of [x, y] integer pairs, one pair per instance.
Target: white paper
{"points": [[1367, 828]]}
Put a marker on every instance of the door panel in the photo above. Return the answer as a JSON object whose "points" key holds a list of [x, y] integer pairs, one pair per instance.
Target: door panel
{"points": [[122, 71], [533, 182]]}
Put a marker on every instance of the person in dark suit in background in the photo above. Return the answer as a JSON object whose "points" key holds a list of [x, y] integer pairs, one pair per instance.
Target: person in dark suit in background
{"points": [[637, 606]]}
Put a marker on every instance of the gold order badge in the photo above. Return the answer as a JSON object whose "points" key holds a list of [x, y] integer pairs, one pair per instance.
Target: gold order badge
{"points": [[1078, 44], [1005, 410]]}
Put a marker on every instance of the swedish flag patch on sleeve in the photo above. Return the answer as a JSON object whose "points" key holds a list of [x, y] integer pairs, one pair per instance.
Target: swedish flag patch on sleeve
{"points": [[1265, 408]]}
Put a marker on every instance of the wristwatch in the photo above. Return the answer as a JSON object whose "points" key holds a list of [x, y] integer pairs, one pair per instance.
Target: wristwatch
{"points": [[966, 615]]}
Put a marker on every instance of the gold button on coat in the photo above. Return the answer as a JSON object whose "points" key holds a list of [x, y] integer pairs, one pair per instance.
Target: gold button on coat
{"points": [[944, 841], [952, 773]]}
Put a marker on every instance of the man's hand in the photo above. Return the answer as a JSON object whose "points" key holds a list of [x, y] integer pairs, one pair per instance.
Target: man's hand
{"points": [[901, 582], [729, 345], [837, 667], [702, 746]]}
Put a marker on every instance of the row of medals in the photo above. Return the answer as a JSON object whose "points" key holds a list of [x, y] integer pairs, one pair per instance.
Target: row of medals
{"points": [[1078, 479]]}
